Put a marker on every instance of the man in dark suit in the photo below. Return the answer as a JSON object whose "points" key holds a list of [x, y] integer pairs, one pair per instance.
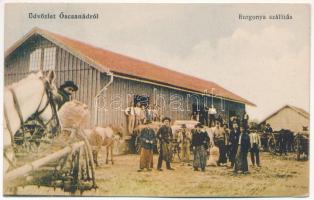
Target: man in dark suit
{"points": [[241, 163], [165, 137], [233, 143]]}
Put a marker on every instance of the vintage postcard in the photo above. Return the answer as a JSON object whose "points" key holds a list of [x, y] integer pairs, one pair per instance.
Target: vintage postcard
{"points": [[156, 100]]}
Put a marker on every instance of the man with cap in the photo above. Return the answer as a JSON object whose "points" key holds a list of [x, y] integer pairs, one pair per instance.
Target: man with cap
{"points": [[184, 139], [199, 146], [227, 140], [233, 142], [148, 140], [66, 90], [164, 136]]}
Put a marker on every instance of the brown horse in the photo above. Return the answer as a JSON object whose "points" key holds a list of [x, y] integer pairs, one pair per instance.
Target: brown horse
{"points": [[100, 136]]}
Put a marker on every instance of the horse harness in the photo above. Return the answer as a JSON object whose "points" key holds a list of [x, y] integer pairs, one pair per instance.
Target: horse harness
{"points": [[50, 101]]}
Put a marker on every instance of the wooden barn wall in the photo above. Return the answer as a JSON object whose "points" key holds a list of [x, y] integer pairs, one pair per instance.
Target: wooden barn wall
{"points": [[17, 64], [68, 67], [177, 104], [288, 118]]}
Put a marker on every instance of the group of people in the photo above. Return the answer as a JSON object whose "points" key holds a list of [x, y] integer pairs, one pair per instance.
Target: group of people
{"points": [[209, 116], [140, 113], [234, 145], [148, 140]]}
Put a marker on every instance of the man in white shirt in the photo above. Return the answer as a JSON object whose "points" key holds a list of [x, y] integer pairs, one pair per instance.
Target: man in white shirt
{"points": [[130, 113], [184, 139], [138, 111], [255, 141]]}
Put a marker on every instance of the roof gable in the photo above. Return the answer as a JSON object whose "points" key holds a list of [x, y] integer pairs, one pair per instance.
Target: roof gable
{"points": [[105, 60], [296, 109]]}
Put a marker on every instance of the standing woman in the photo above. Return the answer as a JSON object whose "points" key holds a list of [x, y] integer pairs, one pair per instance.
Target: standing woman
{"points": [[199, 146], [148, 140], [241, 163], [219, 139]]}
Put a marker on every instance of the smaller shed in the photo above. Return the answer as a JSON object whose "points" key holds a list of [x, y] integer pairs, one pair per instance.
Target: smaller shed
{"points": [[288, 117]]}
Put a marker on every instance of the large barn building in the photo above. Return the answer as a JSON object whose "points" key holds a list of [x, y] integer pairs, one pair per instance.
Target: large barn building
{"points": [[111, 80], [288, 117]]}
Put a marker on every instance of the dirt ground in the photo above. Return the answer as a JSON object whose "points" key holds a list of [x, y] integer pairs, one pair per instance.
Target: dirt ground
{"points": [[278, 176]]}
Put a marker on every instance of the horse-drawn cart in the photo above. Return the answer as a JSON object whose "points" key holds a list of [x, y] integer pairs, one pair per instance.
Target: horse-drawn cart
{"points": [[278, 141], [39, 148], [61, 159]]}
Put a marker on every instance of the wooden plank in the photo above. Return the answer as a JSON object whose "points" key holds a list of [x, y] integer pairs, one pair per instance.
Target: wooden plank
{"points": [[58, 65], [73, 72], [62, 66], [77, 67], [94, 92], [81, 80], [86, 85], [70, 67], [89, 91], [66, 67]]}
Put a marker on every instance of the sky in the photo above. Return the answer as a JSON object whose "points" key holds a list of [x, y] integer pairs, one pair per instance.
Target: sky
{"points": [[264, 61]]}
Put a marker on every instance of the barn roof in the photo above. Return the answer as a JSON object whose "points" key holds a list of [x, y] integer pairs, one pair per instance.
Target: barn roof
{"points": [[106, 60], [296, 109]]}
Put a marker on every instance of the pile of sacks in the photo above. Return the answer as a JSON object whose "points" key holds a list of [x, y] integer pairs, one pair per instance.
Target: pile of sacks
{"points": [[74, 114]]}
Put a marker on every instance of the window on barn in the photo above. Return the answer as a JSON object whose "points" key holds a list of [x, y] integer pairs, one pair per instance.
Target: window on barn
{"points": [[35, 59], [49, 58]]}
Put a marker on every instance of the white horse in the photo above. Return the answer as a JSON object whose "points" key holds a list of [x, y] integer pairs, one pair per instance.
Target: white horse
{"points": [[22, 100]]}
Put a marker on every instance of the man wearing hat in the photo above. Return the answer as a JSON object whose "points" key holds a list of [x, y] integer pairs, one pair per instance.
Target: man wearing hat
{"points": [[148, 141], [199, 146], [266, 133], [255, 141], [233, 143], [184, 139], [164, 135], [66, 90]]}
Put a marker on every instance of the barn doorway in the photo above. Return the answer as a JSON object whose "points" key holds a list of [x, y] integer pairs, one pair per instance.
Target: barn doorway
{"points": [[142, 99]]}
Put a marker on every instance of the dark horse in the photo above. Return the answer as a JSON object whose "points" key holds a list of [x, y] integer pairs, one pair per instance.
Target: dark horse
{"points": [[285, 141]]}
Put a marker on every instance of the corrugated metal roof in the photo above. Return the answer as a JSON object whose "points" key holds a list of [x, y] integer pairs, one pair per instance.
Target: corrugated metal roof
{"points": [[107, 60]]}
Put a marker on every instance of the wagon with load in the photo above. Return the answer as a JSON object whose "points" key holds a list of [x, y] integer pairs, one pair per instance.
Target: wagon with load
{"points": [[47, 147]]}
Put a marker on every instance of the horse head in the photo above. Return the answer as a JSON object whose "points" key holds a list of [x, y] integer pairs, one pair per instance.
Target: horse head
{"points": [[117, 130], [47, 91]]}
